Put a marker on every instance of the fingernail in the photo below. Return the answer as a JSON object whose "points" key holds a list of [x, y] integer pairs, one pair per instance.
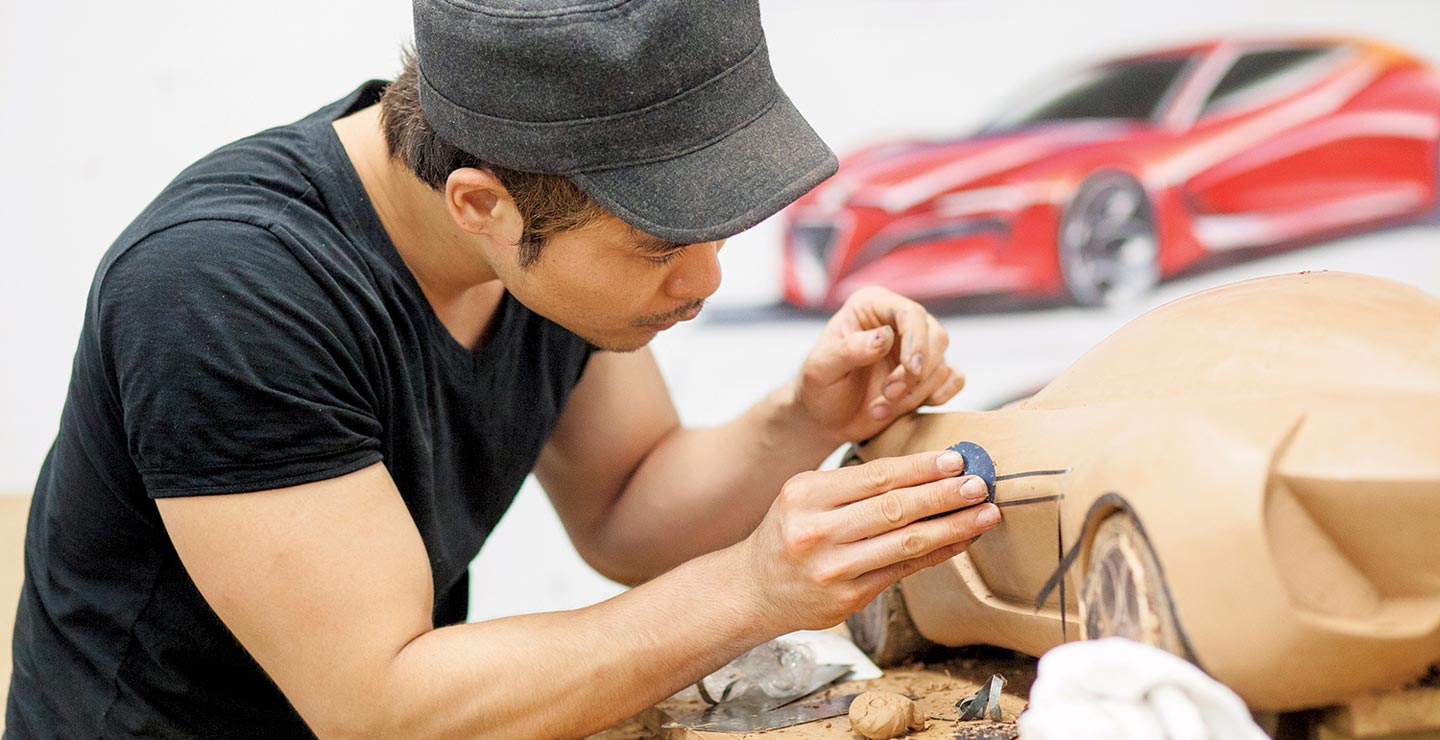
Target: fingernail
{"points": [[878, 338], [988, 516], [894, 390], [880, 410], [917, 361], [973, 488], [951, 462]]}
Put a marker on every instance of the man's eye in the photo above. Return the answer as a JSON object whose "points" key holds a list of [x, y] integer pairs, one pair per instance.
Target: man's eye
{"points": [[664, 259]]}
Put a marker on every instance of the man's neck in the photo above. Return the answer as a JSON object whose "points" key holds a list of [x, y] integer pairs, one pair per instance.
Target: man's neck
{"points": [[457, 281]]}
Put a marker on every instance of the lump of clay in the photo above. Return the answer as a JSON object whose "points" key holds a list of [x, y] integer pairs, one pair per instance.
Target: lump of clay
{"points": [[881, 715]]}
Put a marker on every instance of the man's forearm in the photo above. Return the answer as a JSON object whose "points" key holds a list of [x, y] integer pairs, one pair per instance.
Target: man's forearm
{"points": [[703, 489], [543, 676], [326, 585], [822, 552]]}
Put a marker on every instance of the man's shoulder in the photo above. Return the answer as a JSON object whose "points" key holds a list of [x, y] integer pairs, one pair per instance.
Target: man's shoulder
{"points": [[262, 180], [203, 277], [194, 251], [285, 179]]}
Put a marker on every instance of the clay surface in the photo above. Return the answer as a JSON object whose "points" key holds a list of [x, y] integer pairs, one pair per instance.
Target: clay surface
{"points": [[1276, 443]]}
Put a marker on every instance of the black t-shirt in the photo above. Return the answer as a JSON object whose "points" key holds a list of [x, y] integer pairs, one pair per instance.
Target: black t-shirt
{"points": [[254, 328]]}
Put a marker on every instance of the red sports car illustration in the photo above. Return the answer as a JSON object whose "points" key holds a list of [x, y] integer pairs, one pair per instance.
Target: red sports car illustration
{"points": [[1129, 172]]}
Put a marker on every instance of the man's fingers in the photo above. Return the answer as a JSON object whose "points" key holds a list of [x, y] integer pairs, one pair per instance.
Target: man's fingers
{"points": [[937, 388], [913, 324], [948, 389], [939, 341], [915, 541], [834, 359], [893, 386], [905, 379], [831, 489], [929, 388], [880, 514], [879, 580]]}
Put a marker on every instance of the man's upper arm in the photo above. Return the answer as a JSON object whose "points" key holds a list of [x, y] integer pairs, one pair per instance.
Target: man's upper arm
{"points": [[250, 417], [617, 414], [323, 583], [233, 369]]}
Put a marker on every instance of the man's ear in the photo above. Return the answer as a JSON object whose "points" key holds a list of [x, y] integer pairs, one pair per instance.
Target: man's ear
{"points": [[481, 205]]}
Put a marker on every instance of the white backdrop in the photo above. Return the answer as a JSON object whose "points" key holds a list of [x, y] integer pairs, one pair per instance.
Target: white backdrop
{"points": [[104, 102]]}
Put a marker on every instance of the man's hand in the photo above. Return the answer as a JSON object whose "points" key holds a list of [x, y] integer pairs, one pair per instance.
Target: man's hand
{"points": [[610, 492], [835, 539], [880, 356]]}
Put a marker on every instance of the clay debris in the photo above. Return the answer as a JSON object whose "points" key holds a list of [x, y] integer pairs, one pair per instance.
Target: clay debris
{"points": [[881, 715]]}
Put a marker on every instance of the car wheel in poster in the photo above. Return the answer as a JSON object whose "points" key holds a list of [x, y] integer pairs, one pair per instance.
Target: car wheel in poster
{"points": [[1109, 249]]}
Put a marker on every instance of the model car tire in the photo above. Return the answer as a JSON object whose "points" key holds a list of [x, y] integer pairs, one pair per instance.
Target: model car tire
{"points": [[1108, 247], [1124, 592], [884, 631]]}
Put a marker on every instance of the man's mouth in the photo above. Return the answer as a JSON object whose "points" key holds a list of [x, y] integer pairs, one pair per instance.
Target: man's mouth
{"points": [[665, 321]]}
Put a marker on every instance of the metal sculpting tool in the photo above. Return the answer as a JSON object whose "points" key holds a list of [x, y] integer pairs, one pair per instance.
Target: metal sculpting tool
{"points": [[726, 717]]}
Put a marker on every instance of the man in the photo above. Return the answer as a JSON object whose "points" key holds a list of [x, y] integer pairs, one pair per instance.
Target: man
{"points": [[314, 372]]}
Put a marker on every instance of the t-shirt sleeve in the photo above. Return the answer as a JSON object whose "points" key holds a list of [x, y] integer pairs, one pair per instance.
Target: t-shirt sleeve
{"points": [[235, 366]]}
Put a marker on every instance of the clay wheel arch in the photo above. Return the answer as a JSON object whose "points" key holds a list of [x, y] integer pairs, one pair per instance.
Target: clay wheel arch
{"points": [[1123, 593]]}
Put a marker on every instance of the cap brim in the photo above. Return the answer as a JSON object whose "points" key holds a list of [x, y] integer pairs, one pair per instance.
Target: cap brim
{"points": [[720, 189]]}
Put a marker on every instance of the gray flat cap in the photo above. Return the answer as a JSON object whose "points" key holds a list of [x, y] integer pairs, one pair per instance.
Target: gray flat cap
{"points": [[666, 112]]}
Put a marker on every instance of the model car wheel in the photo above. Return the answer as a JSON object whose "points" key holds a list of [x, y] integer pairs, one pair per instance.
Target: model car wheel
{"points": [[884, 631], [1109, 250], [1124, 593]]}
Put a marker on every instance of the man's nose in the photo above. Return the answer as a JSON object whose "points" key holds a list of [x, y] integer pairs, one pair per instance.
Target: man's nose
{"points": [[697, 273]]}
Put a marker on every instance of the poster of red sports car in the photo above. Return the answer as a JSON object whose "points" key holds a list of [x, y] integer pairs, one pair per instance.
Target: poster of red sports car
{"points": [[1102, 183]]}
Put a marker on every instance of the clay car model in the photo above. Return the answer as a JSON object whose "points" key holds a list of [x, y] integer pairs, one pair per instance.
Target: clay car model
{"points": [[1130, 172], [1248, 477]]}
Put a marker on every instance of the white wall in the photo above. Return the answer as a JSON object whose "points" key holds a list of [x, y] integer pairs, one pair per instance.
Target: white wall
{"points": [[103, 102]]}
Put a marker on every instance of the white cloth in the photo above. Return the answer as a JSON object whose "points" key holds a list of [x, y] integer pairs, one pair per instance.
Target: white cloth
{"points": [[1119, 689]]}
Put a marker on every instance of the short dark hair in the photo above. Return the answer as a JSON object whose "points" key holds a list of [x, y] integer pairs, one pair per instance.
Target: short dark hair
{"points": [[548, 204]]}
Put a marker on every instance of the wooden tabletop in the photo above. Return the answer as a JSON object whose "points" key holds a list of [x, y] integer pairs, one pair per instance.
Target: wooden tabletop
{"points": [[13, 510], [936, 685]]}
